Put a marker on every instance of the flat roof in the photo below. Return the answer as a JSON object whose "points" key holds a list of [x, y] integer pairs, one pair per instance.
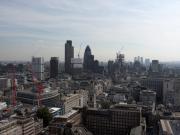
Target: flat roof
{"points": [[54, 109], [67, 115]]}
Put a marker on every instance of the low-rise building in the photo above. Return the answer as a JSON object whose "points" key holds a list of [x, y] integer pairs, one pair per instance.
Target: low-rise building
{"points": [[31, 96], [27, 125], [10, 127], [148, 98], [56, 111], [60, 121], [84, 94], [5, 83], [118, 120], [38, 126], [71, 100]]}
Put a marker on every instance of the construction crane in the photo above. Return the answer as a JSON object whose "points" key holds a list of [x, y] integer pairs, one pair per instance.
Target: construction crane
{"points": [[12, 75], [37, 85], [14, 87]]}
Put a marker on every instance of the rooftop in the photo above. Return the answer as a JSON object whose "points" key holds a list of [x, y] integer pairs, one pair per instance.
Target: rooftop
{"points": [[67, 115]]}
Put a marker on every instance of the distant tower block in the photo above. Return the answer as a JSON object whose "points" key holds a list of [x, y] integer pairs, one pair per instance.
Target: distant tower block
{"points": [[38, 67]]}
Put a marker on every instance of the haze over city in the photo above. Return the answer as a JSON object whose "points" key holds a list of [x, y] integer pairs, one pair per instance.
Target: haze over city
{"points": [[89, 67], [40, 28]]}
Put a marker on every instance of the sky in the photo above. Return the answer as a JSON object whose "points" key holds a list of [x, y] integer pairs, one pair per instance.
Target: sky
{"points": [[148, 28]]}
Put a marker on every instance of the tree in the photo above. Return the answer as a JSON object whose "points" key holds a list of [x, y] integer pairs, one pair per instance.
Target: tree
{"points": [[105, 104], [43, 113]]}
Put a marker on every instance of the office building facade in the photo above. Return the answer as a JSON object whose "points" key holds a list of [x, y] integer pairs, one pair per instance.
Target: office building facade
{"points": [[54, 67], [69, 54], [38, 67], [115, 121], [88, 60]]}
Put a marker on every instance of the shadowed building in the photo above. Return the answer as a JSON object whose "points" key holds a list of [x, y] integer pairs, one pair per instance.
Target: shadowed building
{"points": [[118, 120], [54, 66], [69, 54], [88, 60]]}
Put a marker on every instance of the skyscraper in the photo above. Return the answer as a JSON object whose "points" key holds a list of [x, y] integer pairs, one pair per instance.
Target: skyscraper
{"points": [[88, 60], [38, 67], [69, 53], [54, 66], [110, 67], [155, 66], [142, 61], [147, 62]]}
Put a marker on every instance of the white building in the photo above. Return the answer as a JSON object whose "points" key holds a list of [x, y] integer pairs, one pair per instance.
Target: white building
{"points": [[70, 101], [147, 63], [3, 105], [5, 83], [10, 127], [84, 94], [38, 67], [77, 65], [77, 62]]}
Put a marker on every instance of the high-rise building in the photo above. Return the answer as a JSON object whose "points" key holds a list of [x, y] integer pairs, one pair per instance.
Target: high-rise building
{"points": [[69, 54], [54, 67], [142, 61], [88, 60], [110, 67], [147, 62], [155, 66], [139, 59], [38, 67]]}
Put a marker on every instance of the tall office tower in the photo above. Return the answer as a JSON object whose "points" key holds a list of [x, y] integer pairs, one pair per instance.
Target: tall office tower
{"points": [[147, 62], [110, 67], [139, 58], [88, 60], [69, 54], [38, 67], [135, 59], [142, 61], [155, 66], [54, 67]]}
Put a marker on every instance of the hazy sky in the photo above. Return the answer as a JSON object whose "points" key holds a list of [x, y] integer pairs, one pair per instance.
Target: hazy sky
{"points": [[149, 28]]}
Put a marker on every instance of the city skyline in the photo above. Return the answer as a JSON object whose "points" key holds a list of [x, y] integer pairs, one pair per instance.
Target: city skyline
{"points": [[143, 28]]}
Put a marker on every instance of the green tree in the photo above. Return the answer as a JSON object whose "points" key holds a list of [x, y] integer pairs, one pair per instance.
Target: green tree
{"points": [[43, 113], [105, 104]]}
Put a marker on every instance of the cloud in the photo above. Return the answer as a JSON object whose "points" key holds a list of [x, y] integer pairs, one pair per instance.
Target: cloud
{"points": [[136, 24]]}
